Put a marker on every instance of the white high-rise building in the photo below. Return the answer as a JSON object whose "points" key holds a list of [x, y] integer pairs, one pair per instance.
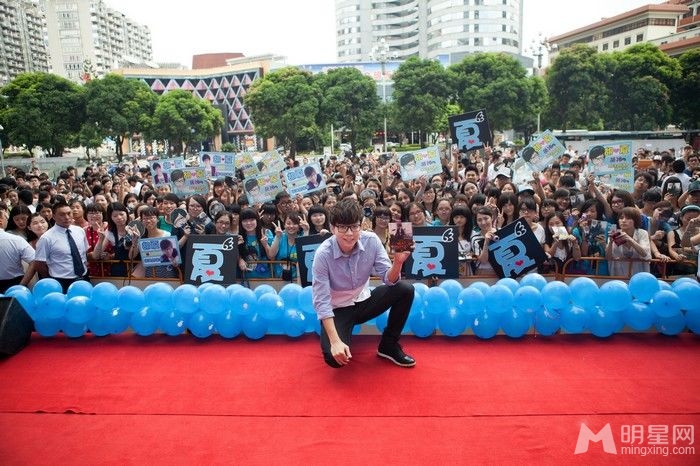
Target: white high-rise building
{"points": [[22, 39], [88, 37], [428, 28]]}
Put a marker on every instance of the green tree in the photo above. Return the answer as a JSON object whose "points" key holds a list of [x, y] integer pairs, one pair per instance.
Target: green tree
{"points": [[118, 107], [42, 110], [576, 83], [640, 81], [284, 104], [538, 103], [349, 102], [183, 119], [686, 103], [496, 82], [89, 137], [422, 89]]}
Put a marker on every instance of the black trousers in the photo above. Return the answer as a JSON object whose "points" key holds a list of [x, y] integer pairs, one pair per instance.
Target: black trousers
{"points": [[5, 284], [398, 297], [66, 282]]}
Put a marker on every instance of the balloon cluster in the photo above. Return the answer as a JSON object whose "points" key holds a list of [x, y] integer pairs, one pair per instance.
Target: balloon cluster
{"points": [[515, 308]]}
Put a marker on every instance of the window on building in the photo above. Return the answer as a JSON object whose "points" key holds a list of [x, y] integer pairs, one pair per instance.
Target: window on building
{"points": [[628, 40], [616, 44], [605, 46], [640, 37]]}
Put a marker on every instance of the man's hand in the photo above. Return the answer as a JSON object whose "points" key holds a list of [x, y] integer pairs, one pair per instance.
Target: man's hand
{"points": [[341, 352]]}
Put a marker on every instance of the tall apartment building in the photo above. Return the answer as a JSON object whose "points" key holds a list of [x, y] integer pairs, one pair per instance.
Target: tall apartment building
{"points": [[86, 36], [428, 28], [22, 39]]}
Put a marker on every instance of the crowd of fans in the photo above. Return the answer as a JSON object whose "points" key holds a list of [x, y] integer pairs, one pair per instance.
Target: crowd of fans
{"points": [[597, 230]]}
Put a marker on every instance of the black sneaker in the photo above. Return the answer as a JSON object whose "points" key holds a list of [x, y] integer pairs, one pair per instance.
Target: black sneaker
{"points": [[396, 355]]}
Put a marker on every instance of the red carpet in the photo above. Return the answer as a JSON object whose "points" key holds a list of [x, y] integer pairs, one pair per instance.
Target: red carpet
{"points": [[162, 400]]}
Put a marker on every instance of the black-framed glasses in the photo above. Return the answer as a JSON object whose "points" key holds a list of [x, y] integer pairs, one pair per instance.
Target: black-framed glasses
{"points": [[345, 228]]}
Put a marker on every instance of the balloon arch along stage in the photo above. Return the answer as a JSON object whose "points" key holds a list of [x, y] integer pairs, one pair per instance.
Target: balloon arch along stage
{"points": [[513, 307]]}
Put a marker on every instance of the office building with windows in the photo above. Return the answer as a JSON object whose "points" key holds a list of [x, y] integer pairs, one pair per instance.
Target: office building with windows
{"points": [[22, 39]]}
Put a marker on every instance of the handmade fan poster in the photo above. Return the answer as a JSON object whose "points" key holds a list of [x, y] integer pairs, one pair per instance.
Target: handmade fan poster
{"points": [[611, 163], [262, 188], [164, 250], [304, 179], [212, 259], [400, 236], [271, 161], [246, 163], [542, 151], [188, 181], [218, 164], [470, 130], [516, 251], [161, 168], [417, 163], [435, 252], [306, 248]]}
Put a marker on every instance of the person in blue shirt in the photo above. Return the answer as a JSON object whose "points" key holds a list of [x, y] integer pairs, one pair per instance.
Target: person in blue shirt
{"points": [[341, 268], [254, 245]]}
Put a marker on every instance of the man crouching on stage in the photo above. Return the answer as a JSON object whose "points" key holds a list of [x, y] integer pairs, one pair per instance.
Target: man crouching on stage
{"points": [[341, 296]]}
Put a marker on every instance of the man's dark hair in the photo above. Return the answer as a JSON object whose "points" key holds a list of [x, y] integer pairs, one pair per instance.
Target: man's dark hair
{"points": [[309, 170], [346, 212], [25, 196], [567, 181], [250, 184], [678, 166], [176, 175], [57, 205]]}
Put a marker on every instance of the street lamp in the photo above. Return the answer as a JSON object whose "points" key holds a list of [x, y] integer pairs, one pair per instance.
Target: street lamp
{"points": [[2, 155], [382, 54], [538, 49]]}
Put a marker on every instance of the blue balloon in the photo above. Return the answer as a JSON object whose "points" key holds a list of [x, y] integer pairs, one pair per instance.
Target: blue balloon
{"points": [[533, 279], [159, 296], [485, 324], [186, 298], [643, 286], [436, 300], [422, 323], [556, 296], [306, 303], [664, 286], [26, 299], [516, 323], [584, 292], [228, 324], [201, 323], [44, 287], [204, 286], [548, 321], [689, 294], [603, 322], [233, 287], [254, 326], [670, 325], [270, 306], [15, 288], [172, 322], [290, 295], [73, 330], [294, 322], [615, 296], [639, 316], [243, 301], [144, 321], [214, 299], [665, 304], [381, 320], [453, 322], [471, 301], [48, 327], [118, 321], [510, 283], [692, 321], [264, 289], [574, 320], [499, 299], [79, 288], [99, 324], [79, 310], [131, 299], [683, 280], [417, 305], [104, 295], [453, 288], [481, 286], [527, 299], [420, 287], [51, 306]]}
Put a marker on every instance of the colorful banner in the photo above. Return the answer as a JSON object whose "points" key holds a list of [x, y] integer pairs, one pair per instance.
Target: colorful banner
{"points": [[543, 151], [304, 179], [470, 130], [159, 251], [434, 255], [262, 188], [516, 251], [212, 259], [161, 168], [306, 248], [612, 164], [246, 162], [188, 181], [218, 164], [271, 161], [417, 163]]}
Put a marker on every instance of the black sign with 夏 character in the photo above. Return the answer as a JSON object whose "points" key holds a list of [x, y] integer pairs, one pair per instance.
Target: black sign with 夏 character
{"points": [[435, 253], [212, 259], [470, 130], [516, 251], [306, 248]]}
